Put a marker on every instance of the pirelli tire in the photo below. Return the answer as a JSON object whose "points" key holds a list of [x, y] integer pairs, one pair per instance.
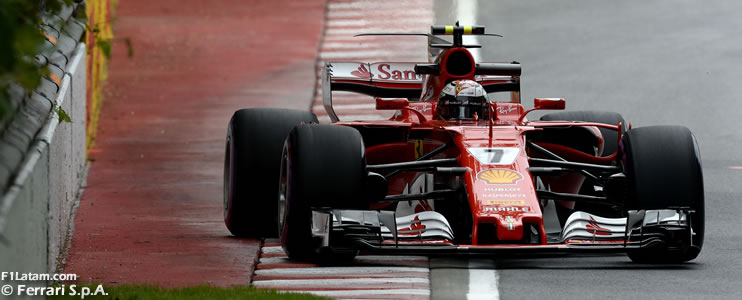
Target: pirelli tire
{"points": [[663, 169], [252, 160], [610, 137], [323, 167]]}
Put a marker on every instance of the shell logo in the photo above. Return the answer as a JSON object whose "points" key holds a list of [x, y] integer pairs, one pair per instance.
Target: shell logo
{"points": [[500, 176]]}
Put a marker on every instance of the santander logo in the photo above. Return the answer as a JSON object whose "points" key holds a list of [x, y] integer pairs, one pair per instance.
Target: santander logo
{"points": [[362, 72], [387, 71]]}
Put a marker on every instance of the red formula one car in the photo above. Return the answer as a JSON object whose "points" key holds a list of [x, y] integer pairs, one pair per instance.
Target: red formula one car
{"points": [[460, 169]]}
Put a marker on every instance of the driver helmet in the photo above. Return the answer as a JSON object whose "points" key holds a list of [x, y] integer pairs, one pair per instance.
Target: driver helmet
{"points": [[463, 100]]}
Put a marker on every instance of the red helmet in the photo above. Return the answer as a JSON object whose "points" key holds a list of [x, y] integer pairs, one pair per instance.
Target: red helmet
{"points": [[463, 100]]}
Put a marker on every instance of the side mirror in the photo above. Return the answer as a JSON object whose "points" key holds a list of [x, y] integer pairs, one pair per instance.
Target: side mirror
{"points": [[393, 104], [548, 103], [544, 103]]}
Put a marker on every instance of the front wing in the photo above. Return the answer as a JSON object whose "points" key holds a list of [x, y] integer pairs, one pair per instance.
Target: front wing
{"points": [[428, 233]]}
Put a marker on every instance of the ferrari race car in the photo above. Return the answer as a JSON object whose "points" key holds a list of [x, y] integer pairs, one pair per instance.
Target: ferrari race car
{"points": [[459, 168]]}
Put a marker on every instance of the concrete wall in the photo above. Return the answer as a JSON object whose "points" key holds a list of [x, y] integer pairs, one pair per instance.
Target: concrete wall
{"points": [[67, 163], [36, 212]]}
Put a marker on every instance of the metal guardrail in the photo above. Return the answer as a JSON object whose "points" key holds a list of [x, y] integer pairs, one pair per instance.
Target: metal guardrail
{"points": [[26, 134], [41, 140]]}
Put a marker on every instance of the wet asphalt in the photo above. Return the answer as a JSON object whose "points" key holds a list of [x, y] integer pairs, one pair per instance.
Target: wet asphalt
{"points": [[656, 63]]}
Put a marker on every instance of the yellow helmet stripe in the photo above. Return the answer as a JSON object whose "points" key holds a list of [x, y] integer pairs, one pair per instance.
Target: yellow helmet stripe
{"points": [[449, 29]]}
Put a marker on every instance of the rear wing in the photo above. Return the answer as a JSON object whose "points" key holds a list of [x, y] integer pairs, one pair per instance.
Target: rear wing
{"points": [[399, 80]]}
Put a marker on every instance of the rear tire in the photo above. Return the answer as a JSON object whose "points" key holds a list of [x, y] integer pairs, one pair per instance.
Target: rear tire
{"points": [[251, 165], [663, 167], [323, 167]]}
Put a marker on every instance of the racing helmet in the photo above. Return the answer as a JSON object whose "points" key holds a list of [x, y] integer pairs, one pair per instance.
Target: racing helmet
{"points": [[463, 100]]}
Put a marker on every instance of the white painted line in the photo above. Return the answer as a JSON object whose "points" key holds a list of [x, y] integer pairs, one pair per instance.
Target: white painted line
{"points": [[466, 14], [344, 13], [346, 45], [337, 271], [736, 167], [334, 282], [344, 39], [274, 260], [376, 29], [273, 250], [350, 293], [355, 54], [370, 5], [385, 16], [482, 282], [345, 22], [410, 46], [377, 23]]}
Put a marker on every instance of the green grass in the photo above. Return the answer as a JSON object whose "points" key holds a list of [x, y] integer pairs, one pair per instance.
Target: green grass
{"points": [[131, 292]]}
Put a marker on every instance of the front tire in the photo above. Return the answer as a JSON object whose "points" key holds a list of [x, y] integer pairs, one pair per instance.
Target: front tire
{"points": [[323, 167], [663, 167], [251, 164]]}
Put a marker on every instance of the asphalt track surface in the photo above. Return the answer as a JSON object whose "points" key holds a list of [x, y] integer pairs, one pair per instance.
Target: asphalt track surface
{"points": [[656, 63]]}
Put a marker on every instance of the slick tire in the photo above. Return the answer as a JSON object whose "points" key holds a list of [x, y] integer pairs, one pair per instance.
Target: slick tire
{"points": [[252, 161], [323, 166], [609, 136], [663, 168]]}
